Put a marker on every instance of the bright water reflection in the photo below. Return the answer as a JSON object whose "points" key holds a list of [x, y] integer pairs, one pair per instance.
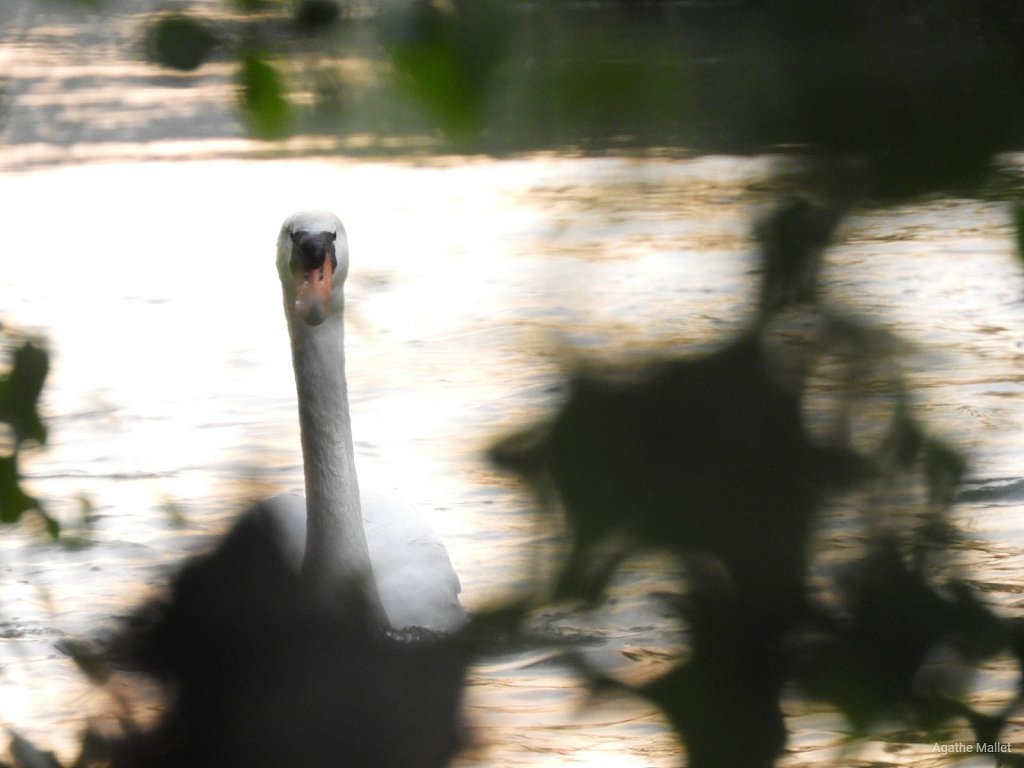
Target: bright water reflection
{"points": [[471, 284]]}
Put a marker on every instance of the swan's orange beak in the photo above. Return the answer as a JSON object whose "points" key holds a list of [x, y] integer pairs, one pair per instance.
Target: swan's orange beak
{"points": [[313, 294]]}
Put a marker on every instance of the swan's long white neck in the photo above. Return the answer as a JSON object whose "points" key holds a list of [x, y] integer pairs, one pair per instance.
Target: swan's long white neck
{"points": [[336, 556]]}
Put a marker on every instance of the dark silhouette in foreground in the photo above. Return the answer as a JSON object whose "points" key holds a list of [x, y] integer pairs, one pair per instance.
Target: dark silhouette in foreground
{"points": [[711, 457], [261, 673]]}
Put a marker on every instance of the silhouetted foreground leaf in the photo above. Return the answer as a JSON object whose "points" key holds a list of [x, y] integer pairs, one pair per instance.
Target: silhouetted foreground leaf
{"points": [[710, 457], [28, 755], [873, 661], [14, 502], [178, 41], [19, 393], [317, 13], [263, 674], [20, 388], [1018, 222]]}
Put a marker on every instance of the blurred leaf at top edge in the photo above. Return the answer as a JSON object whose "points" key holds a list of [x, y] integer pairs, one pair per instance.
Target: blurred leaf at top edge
{"points": [[445, 55], [267, 112], [179, 41], [311, 14]]}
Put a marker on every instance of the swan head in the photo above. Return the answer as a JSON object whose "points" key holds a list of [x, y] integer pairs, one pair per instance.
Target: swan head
{"points": [[312, 262]]}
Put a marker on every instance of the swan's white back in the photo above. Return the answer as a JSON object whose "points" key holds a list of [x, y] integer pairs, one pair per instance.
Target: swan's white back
{"points": [[415, 578]]}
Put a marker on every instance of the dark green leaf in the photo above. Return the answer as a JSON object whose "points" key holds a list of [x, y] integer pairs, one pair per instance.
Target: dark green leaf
{"points": [[317, 13], [179, 42], [263, 102], [944, 470], [446, 56], [20, 390], [1018, 221], [14, 502]]}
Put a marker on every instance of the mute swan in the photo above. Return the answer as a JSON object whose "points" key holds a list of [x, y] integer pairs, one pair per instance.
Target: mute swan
{"points": [[346, 534], [272, 659]]}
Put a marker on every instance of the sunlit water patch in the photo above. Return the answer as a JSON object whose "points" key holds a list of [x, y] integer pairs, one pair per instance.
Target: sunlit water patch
{"points": [[473, 286]]}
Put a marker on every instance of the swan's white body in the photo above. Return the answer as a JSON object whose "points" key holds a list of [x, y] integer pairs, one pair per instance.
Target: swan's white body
{"points": [[417, 585], [345, 535]]}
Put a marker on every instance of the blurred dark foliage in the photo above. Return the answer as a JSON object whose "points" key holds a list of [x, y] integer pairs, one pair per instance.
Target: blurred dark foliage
{"points": [[317, 13], [1018, 224], [259, 673], [261, 95], [710, 457], [21, 384], [926, 92], [912, 95], [446, 56], [179, 41]]}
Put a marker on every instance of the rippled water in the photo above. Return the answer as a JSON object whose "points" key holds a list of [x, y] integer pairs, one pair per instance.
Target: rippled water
{"points": [[474, 285], [471, 282]]}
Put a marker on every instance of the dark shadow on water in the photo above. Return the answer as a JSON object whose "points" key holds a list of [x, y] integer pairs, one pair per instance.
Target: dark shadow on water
{"points": [[259, 673], [710, 457]]}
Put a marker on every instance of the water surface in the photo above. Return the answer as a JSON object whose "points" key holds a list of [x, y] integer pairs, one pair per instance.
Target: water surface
{"points": [[473, 286]]}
